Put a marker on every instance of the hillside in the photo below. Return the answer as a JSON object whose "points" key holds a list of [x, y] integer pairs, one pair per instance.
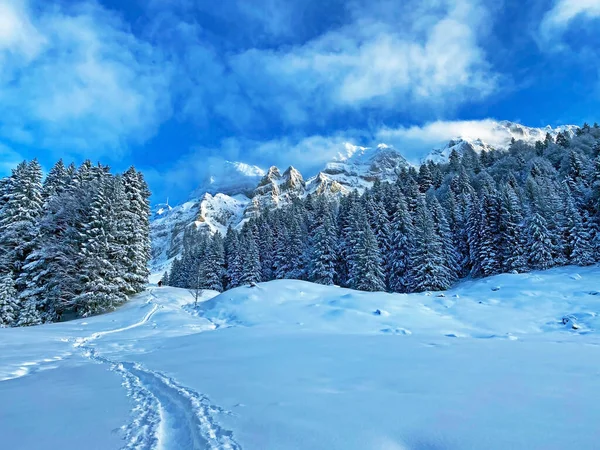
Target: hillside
{"points": [[505, 362]]}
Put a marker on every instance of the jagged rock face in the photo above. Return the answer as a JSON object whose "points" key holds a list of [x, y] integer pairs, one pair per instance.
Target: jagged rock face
{"points": [[363, 166], [276, 190], [324, 185]]}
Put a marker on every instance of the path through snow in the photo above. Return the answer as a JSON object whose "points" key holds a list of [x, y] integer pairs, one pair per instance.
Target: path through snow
{"points": [[166, 415]]}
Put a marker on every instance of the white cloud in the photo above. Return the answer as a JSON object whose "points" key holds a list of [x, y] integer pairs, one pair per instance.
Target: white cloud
{"points": [[76, 79], [420, 58], [562, 14], [373, 63]]}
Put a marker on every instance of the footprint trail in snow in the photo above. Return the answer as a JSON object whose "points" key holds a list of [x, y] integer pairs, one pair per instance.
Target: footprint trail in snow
{"points": [[167, 415]]}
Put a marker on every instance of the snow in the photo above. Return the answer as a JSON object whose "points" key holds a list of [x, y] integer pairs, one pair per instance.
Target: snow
{"points": [[289, 364], [498, 135]]}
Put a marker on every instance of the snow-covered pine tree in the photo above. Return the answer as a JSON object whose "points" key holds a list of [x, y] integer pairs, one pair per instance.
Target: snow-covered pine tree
{"points": [[212, 265], [427, 269], [56, 182], [539, 242], [380, 224], [266, 248], [402, 248], [99, 280], [19, 215], [323, 248], [488, 251], [176, 276], [512, 233], [351, 228], [50, 274], [136, 225], [281, 257], [232, 259], [250, 267], [296, 250], [29, 315], [165, 281], [9, 308], [346, 220], [442, 229], [463, 200], [578, 240], [366, 273]]}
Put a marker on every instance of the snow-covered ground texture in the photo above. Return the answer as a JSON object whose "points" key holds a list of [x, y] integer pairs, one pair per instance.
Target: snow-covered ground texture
{"points": [[507, 362]]}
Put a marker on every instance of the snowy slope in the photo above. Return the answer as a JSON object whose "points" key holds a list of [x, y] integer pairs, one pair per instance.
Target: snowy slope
{"points": [[505, 362]]}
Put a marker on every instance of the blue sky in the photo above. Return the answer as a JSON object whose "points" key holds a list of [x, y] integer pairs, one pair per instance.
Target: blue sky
{"points": [[173, 85]]}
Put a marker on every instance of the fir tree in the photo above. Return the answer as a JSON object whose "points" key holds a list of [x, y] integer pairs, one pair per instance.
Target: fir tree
{"points": [[511, 229], [18, 217], [427, 270], [212, 266], [232, 259], [539, 243], [366, 273], [323, 254], [135, 222], [250, 267], [579, 249], [29, 315], [8, 301], [402, 248]]}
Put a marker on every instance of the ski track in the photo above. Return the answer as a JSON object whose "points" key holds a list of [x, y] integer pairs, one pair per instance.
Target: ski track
{"points": [[167, 415]]}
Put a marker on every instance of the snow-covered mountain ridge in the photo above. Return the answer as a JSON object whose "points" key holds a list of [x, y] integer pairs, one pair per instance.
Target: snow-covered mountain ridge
{"points": [[498, 136], [234, 192], [353, 168]]}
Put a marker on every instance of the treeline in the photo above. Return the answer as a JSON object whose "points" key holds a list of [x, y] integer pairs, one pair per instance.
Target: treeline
{"points": [[531, 207], [75, 243]]}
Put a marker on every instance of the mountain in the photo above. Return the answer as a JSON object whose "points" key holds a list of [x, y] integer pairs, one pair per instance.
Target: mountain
{"points": [[235, 192], [498, 137], [353, 168]]}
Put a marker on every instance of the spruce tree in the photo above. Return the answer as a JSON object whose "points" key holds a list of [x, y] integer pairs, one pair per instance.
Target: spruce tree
{"points": [[212, 265], [323, 253], [402, 248], [579, 249], [99, 278], [232, 259], [19, 215], [366, 273], [539, 243], [427, 269], [250, 259], [29, 315], [512, 233], [136, 230], [8, 301]]}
